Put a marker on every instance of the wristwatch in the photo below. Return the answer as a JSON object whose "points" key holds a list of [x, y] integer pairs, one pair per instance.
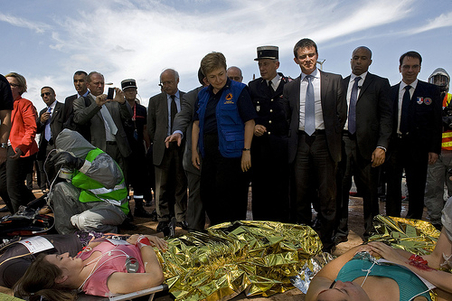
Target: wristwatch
{"points": [[4, 145]]}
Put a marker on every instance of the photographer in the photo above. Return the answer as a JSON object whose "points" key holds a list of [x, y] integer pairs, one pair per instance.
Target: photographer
{"points": [[94, 195], [437, 173]]}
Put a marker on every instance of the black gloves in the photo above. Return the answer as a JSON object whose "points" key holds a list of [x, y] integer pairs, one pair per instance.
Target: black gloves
{"points": [[67, 160]]}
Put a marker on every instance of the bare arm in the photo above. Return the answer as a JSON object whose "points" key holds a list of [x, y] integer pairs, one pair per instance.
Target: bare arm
{"points": [[442, 280], [124, 283], [246, 155], [328, 273]]}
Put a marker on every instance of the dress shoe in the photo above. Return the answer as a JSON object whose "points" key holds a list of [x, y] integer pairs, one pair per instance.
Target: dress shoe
{"points": [[340, 239], [4, 209], [182, 224], [162, 226], [141, 212]]}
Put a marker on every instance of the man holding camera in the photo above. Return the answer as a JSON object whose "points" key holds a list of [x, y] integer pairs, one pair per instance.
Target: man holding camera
{"points": [[106, 117], [437, 174]]}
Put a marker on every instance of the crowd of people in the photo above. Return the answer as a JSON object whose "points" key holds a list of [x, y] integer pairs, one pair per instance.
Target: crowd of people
{"points": [[297, 141]]}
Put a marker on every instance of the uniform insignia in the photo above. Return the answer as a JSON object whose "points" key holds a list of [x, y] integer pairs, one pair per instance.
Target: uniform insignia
{"points": [[229, 96], [420, 100], [428, 101]]}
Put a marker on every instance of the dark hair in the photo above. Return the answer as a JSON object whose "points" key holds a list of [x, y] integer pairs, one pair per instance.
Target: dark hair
{"points": [[80, 72], [47, 87], [304, 43], [412, 54], [39, 280], [201, 76]]}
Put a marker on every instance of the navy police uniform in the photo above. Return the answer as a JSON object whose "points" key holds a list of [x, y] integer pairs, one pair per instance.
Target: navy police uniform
{"points": [[270, 168]]}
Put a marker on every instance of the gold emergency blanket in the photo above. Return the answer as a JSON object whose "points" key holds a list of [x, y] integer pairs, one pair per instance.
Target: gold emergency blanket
{"points": [[413, 235], [255, 257]]}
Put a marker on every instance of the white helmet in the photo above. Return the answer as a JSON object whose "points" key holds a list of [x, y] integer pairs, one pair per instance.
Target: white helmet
{"points": [[441, 78]]}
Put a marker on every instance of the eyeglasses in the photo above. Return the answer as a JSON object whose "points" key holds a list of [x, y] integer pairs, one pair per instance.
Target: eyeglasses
{"points": [[166, 83], [45, 94]]}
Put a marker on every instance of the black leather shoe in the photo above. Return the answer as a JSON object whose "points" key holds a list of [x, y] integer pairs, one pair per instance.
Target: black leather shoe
{"points": [[4, 209], [141, 212], [161, 226], [172, 227], [340, 239], [182, 224]]}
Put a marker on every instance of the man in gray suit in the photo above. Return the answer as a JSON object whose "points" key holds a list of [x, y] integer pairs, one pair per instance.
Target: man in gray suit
{"points": [[196, 215], [170, 180], [106, 118], [316, 108], [366, 139]]}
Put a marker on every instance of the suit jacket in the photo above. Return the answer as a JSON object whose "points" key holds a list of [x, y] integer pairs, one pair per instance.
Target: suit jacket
{"points": [[120, 114], [184, 123], [373, 114], [56, 125], [158, 124], [424, 117], [68, 107], [334, 109], [269, 106]]}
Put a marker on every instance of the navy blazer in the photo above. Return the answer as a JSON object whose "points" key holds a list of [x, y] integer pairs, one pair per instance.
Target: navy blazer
{"points": [[424, 117]]}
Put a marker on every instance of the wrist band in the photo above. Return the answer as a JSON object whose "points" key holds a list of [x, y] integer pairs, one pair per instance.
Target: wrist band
{"points": [[143, 241], [246, 149]]}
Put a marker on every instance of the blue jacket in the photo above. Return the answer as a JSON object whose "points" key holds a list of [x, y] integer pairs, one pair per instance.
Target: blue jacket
{"points": [[231, 128]]}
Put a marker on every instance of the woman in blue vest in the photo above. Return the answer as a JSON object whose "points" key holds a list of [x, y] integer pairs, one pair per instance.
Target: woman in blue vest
{"points": [[222, 132]]}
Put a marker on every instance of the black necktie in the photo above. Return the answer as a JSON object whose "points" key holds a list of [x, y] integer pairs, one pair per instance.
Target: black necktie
{"points": [[173, 110], [352, 109], [404, 116]]}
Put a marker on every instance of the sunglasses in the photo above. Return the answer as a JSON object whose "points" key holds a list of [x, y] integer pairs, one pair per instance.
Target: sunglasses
{"points": [[45, 94]]}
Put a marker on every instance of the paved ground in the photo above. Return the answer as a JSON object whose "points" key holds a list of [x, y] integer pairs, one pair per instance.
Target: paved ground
{"points": [[146, 226]]}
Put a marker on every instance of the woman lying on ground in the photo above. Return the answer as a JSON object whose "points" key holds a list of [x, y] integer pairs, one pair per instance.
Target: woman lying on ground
{"points": [[104, 268], [355, 276]]}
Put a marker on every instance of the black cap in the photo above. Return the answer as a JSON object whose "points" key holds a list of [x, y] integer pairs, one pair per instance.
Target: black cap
{"points": [[128, 83], [267, 52]]}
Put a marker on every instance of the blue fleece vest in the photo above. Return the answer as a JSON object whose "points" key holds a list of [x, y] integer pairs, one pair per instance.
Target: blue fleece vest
{"points": [[231, 129]]}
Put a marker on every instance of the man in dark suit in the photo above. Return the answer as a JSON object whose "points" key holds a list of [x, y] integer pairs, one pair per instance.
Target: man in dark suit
{"points": [[182, 127], [316, 110], [68, 112], [170, 180], [106, 118], [270, 167], [416, 136], [49, 125], [365, 137]]}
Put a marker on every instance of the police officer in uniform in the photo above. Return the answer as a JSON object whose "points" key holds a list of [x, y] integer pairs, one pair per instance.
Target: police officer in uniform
{"points": [[270, 168]]}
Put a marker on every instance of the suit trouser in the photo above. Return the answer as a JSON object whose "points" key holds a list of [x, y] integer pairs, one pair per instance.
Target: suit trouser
{"points": [[196, 215], [314, 165], [408, 155], [224, 187], [437, 176], [16, 172], [270, 178], [366, 180], [171, 185]]}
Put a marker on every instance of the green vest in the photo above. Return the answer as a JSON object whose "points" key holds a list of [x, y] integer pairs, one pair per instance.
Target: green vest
{"points": [[93, 191]]}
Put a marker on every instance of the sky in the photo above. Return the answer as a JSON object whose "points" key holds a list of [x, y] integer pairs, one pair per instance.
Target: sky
{"points": [[48, 40]]}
